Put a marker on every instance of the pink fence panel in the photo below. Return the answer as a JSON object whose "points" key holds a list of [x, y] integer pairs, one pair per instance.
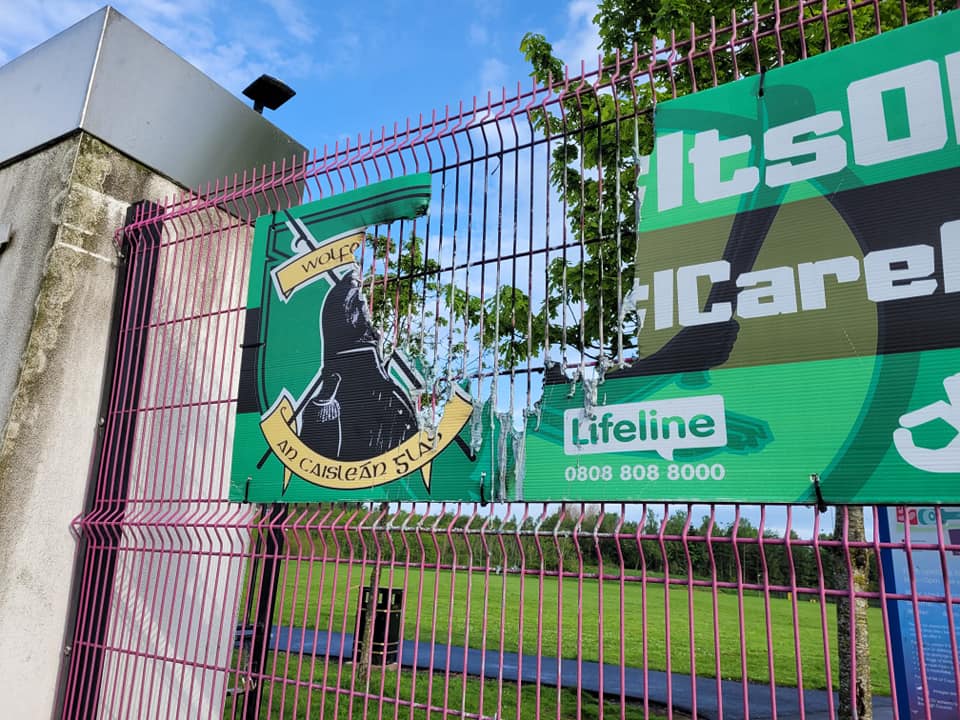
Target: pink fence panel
{"points": [[191, 606]]}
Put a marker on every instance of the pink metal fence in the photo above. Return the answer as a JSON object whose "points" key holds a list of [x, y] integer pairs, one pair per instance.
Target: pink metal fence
{"points": [[190, 606]]}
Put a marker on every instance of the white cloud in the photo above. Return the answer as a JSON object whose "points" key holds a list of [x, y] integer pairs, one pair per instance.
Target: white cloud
{"points": [[294, 17], [493, 76], [487, 8], [477, 34], [581, 40]]}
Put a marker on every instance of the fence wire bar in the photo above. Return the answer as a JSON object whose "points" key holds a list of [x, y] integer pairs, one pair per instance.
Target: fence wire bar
{"points": [[625, 609], [191, 606]]}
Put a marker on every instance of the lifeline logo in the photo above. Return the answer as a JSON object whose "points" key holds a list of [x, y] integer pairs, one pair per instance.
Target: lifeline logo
{"points": [[662, 426]]}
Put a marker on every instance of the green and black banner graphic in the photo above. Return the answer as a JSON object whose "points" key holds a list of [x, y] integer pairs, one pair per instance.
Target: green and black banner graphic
{"points": [[797, 279], [798, 274], [323, 413]]}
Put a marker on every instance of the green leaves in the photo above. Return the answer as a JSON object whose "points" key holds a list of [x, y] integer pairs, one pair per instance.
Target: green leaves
{"points": [[539, 53], [440, 323]]}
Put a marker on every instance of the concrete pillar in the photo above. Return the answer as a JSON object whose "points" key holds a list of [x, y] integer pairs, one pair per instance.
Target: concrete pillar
{"points": [[63, 204], [105, 115]]}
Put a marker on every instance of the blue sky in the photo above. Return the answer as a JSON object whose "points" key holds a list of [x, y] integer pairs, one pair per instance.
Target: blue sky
{"points": [[356, 66]]}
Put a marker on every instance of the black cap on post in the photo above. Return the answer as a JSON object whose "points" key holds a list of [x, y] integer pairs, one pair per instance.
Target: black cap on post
{"points": [[268, 92]]}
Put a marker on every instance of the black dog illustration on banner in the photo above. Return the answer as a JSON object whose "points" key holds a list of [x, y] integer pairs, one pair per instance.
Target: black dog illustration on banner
{"points": [[343, 416], [357, 411]]}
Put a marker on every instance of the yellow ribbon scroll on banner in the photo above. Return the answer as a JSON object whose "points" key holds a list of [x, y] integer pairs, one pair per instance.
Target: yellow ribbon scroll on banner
{"points": [[305, 268], [414, 454]]}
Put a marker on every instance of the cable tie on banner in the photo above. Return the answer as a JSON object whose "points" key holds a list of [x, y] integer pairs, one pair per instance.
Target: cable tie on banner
{"points": [[763, 76], [821, 503], [483, 489]]}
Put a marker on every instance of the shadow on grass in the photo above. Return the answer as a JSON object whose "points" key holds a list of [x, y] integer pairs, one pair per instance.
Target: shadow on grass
{"points": [[316, 688]]}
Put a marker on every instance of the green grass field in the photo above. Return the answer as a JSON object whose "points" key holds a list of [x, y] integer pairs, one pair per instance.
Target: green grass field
{"points": [[475, 609], [420, 696]]}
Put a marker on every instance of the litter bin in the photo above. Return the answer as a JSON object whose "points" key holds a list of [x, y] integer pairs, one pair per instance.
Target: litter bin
{"points": [[385, 633]]}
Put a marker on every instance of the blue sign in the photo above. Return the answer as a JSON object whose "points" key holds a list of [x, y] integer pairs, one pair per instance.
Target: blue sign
{"points": [[938, 648]]}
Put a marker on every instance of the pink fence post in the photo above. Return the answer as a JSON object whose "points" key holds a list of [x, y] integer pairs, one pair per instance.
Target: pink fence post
{"points": [[917, 624], [691, 617], [948, 600], [885, 612], [795, 610], [824, 625], [766, 612], [744, 677], [662, 540]]}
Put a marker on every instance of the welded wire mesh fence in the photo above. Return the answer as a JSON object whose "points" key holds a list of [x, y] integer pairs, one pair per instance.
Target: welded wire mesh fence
{"points": [[191, 606]]}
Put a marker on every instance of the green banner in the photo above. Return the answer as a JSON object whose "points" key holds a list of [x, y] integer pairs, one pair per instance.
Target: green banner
{"points": [[878, 110], [797, 277], [875, 430], [796, 284], [324, 412]]}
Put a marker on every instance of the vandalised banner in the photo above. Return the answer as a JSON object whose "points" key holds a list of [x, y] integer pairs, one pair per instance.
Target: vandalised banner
{"points": [[324, 413], [798, 279], [797, 287]]}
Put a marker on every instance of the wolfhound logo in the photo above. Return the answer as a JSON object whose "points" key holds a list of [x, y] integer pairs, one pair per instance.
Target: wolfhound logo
{"points": [[332, 409]]}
